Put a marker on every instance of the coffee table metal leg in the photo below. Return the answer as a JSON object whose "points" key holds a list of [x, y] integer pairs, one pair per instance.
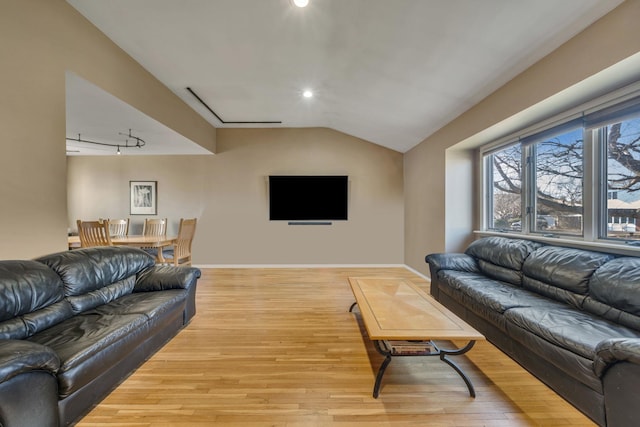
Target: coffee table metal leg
{"points": [[442, 353], [383, 367], [443, 356]]}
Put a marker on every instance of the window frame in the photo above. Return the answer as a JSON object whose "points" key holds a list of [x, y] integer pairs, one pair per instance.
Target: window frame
{"points": [[594, 190], [488, 169], [532, 165]]}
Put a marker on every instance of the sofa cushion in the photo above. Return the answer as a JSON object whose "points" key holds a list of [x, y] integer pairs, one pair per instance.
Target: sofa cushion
{"points": [[576, 330], [501, 258], [86, 270], [31, 299], [498, 296], [151, 304], [617, 283], [547, 355], [27, 286], [47, 317], [562, 273], [615, 292], [103, 295], [615, 315], [13, 329], [86, 343]]}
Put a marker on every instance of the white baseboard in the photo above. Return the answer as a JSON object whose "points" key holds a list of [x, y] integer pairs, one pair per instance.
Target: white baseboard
{"points": [[413, 270]]}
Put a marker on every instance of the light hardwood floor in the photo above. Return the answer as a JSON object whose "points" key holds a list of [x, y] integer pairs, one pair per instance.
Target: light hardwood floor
{"points": [[278, 347]]}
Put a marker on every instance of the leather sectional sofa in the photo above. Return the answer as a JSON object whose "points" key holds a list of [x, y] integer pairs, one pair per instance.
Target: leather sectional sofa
{"points": [[569, 316], [74, 324]]}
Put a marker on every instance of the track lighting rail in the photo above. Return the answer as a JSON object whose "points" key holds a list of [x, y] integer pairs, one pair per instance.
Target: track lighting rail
{"points": [[137, 142]]}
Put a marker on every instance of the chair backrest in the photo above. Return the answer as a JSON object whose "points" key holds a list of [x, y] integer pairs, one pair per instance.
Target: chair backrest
{"points": [[118, 227], [182, 246], [94, 233], [154, 227]]}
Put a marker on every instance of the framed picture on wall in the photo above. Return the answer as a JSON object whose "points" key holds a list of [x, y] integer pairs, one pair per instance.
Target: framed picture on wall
{"points": [[143, 197]]}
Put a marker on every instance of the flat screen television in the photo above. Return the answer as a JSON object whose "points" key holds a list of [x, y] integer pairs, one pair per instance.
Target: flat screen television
{"points": [[308, 197]]}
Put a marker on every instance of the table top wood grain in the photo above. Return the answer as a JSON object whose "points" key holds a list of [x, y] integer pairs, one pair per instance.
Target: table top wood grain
{"points": [[396, 309]]}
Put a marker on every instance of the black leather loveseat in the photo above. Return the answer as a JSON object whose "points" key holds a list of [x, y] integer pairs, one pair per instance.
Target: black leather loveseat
{"points": [[74, 324], [569, 316]]}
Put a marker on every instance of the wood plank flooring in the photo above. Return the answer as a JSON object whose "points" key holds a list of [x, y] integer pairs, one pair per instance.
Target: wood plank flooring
{"points": [[278, 347]]}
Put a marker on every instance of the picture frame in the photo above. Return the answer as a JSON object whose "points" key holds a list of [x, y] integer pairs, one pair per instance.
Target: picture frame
{"points": [[143, 197]]}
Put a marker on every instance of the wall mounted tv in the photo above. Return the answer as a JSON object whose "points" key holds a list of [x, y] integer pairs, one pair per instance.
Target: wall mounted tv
{"points": [[308, 197]]}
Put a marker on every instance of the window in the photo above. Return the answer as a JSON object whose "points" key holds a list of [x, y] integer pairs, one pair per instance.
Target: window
{"points": [[558, 165], [621, 145], [504, 204], [553, 195], [579, 178]]}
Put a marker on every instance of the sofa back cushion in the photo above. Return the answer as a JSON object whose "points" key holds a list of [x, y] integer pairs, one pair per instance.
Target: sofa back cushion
{"points": [[614, 292], [562, 273], [31, 299], [502, 258], [99, 275], [27, 286]]}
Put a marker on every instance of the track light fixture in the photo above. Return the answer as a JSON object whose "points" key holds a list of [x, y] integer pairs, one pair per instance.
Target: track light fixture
{"points": [[136, 142]]}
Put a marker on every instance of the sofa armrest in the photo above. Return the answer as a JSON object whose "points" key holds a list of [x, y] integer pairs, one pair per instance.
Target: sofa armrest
{"points": [[618, 364], [452, 261], [18, 357], [163, 277], [28, 385], [615, 350]]}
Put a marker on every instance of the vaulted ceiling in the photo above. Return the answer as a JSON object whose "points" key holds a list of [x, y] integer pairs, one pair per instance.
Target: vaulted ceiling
{"points": [[388, 71]]}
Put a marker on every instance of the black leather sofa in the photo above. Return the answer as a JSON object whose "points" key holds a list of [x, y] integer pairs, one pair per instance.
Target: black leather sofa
{"points": [[569, 316], [74, 324]]}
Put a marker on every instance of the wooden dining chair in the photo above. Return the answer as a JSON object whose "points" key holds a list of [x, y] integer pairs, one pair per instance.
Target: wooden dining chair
{"points": [[180, 252], [118, 227], [94, 233], [154, 227]]}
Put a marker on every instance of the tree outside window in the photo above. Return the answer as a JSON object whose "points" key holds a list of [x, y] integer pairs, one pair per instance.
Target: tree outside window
{"points": [[623, 179], [537, 184], [505, 199], [559, 171]]}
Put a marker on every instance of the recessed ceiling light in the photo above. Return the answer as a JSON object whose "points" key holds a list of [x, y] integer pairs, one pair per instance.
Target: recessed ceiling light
{"points": [[307, 94], [301, 3]]}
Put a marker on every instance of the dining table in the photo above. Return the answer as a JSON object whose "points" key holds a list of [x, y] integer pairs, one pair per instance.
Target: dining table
{"points": [[139, 241]]}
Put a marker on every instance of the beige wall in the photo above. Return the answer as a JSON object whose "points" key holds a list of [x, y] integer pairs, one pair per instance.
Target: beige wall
{"points": [[39, 41], [98, 187], [438, 192], [45, 38], [228, 192]]}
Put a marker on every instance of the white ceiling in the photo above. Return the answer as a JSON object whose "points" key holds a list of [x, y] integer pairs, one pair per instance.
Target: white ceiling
{"points": [[389, 71], [95, 115]]}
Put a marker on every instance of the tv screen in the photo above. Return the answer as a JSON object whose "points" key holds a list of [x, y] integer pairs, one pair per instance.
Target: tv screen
{"points": [[308, 197]]}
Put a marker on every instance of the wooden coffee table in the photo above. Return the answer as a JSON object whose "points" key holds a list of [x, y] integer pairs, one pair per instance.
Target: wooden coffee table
{"points": [[403, 320]]}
